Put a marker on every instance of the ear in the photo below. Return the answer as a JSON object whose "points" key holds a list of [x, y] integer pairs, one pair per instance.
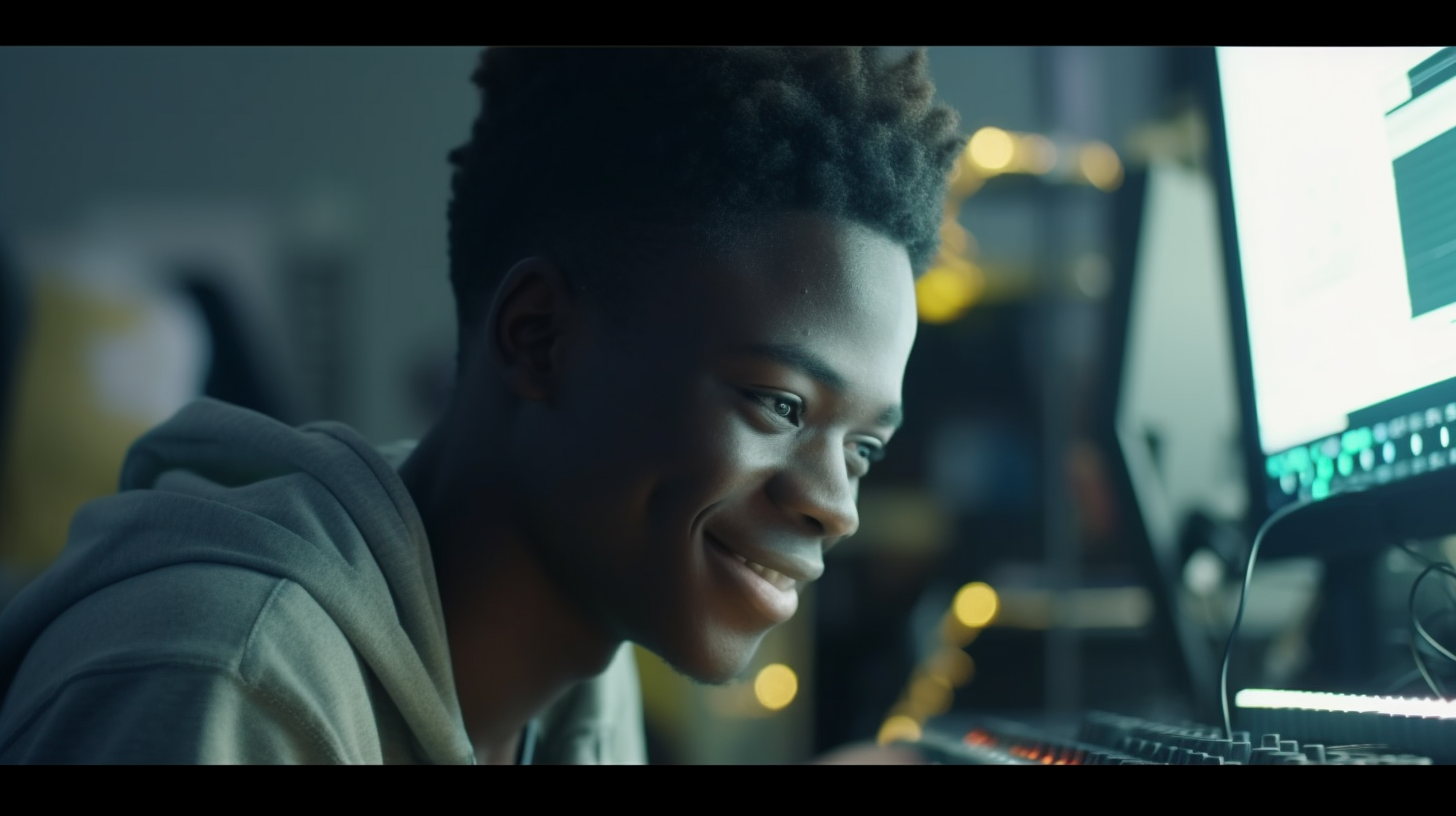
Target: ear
{"points": [[529, 319]]}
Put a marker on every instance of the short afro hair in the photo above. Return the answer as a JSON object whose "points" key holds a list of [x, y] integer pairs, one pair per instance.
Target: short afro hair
{"points": [[578, 148]]}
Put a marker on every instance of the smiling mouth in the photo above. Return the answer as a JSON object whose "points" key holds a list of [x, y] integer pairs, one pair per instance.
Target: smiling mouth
{"points": [[774, 577], [773, 594]]}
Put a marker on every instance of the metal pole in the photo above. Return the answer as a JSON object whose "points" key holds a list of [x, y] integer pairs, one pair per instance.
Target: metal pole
{"points": [[1070, 91]]}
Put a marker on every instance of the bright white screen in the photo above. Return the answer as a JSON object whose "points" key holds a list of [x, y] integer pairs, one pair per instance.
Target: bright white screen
{"points": [[1312, 135]]}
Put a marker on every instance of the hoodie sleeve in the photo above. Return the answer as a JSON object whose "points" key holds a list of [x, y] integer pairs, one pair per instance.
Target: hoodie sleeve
{"points": [[167, 714]]}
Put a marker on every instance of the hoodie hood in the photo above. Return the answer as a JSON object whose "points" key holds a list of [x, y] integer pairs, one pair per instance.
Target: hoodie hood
{"points": [[315, 505]]}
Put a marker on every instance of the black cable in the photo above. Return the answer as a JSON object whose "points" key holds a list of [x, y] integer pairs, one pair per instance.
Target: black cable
{"points": [[1228, 651], [1420, 630], [1414, 675], [1406, 547], [1430, 566]]}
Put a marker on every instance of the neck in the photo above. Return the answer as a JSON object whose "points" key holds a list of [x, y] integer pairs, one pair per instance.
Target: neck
{"points": [[516, 641]]}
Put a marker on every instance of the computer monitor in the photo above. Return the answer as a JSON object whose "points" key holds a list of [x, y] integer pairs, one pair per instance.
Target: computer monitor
{"points": [[1172, 414], [1337, 169]]}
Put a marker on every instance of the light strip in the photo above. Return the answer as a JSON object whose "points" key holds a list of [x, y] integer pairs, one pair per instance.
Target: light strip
{"points": [[1350, 703]]}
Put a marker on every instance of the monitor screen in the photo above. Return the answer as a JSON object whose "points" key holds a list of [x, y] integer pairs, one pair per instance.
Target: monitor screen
{"points": [[1342, 170]]}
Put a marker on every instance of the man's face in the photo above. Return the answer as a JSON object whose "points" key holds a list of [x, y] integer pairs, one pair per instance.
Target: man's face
{"points": [[705, 449]]}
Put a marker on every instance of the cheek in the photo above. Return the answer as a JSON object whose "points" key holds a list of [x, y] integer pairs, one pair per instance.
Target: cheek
{"points": [[709, 452], [629, 452]]}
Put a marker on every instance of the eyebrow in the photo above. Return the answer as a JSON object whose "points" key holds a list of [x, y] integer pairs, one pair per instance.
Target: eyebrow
{"points": [[811, 364]]}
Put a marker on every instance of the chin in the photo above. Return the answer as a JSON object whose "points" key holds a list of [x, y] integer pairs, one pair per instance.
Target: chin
{"points": [[714, 659]]}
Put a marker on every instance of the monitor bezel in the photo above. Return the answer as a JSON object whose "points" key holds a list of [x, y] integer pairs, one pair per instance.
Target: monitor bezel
{"points": [[1210, 91]]}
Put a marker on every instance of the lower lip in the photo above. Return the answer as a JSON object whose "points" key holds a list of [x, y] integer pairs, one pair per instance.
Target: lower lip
{"points": [[777, 605]]}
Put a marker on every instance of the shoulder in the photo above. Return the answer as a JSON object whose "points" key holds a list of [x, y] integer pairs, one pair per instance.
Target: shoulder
{"points": [[222, 644], [195, 614]]}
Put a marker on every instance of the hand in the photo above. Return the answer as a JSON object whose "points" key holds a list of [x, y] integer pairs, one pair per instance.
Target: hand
{"points": [[868, 753]]}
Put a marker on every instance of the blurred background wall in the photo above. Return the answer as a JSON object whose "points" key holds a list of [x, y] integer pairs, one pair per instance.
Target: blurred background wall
{"points": [[350, 142]]}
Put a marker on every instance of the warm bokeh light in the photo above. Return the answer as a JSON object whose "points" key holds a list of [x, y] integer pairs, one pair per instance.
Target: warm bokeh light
{"points": [[948, 289], [954, 665], [1099, 163], [965, 179], [930, 695], [1035, 154], [954, 239], [775, 686], [898, 728], [991, 149], [956, 634], [975, 605]]}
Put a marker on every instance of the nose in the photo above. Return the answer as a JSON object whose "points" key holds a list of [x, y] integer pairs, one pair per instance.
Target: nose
{"points": [[816, 489]]}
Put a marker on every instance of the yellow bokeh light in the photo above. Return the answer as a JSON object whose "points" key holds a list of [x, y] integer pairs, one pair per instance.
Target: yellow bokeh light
{"points": [[954, 238], [964, 179], [947, 289], [1100, 165], [1036, 154], [975, 605], [956, 634], [775, 686], [954, 665], [991, 148], [930, 695], [898, 728]]}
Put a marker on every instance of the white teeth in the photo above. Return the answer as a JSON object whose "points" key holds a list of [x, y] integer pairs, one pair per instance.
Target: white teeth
{"points": [[774, 577], [778, 579]]}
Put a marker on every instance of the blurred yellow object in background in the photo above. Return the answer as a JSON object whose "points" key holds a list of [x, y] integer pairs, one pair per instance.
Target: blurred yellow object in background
{"points": [[930, 695], [976, 605], [946, 290], [97, 369], [954, 665], [1100, 166], [898, 728], [991, 149], [775, 686]]}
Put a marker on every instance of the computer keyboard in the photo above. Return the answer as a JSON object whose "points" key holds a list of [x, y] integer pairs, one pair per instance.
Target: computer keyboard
{"points": [[1286, 728]]}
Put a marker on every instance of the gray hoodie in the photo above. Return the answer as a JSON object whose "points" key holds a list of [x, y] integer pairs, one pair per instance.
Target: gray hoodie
{"points": [[257, 593]]}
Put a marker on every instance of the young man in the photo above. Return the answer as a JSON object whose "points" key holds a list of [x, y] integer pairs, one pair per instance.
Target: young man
{"points": [[684, 283]]}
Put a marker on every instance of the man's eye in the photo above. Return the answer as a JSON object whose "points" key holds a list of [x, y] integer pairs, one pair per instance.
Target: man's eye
{"points": [[862, 455], [870, 453], [789, 410]]}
